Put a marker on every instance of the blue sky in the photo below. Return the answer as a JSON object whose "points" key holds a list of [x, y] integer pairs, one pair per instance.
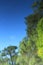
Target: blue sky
{"points": [[12, 26]]}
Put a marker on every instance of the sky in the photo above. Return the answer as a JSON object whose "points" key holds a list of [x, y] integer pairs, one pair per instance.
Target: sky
{"points": [[12, 26]]}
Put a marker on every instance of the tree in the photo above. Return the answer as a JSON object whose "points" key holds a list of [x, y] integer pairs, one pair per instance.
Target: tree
{"points": [[39, 41], [38, 6], [27, 53], [33, 19], [23, 58], [31, 23], [10, 51]]}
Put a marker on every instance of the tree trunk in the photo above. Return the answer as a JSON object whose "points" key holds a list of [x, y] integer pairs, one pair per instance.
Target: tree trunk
{"points": [[11, 59]]}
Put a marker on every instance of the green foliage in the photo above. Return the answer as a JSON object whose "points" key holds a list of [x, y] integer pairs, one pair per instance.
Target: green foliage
{"points": [[40, 38], [10, 52], [27, 53], [31, 47], [31, 23]]}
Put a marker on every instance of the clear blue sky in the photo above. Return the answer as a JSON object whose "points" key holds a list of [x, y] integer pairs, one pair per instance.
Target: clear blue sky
{"points": [[12, 26]]}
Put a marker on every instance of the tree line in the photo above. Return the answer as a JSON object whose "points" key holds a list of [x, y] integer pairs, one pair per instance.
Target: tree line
{"points": [[30, 50]]}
